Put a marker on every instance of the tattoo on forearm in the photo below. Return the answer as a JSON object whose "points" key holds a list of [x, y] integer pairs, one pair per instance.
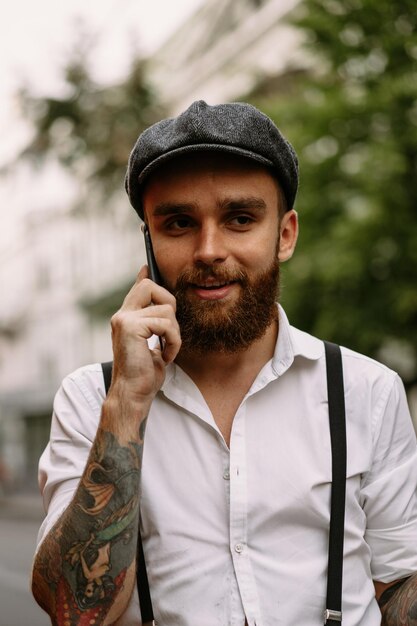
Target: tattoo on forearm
{"points": [[90, 552], [398, 604]]}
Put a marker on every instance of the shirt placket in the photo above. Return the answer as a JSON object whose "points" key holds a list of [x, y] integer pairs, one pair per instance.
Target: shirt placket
{"points": [[239, 547]]}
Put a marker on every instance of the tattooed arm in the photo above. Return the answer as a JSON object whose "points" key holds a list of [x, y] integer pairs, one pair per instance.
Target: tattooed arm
{"points": [[398, 602], [84, 570], [86, 564]]}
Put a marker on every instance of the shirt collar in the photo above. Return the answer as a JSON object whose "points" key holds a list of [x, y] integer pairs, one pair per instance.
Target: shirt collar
{"points": [[293, 343]]}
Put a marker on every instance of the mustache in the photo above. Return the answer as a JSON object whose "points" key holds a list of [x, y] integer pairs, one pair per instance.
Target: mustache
{"points": [[197, 276]]}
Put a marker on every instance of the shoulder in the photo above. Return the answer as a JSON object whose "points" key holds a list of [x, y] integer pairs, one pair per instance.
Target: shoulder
{"points": [[80, 395], [356, 359], [87, 379], [355, 365], [368, 383], [367, 378]]}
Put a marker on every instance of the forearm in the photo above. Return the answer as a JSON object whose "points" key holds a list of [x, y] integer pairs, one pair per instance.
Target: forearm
{"points": [[86, 564], [398, 604]]}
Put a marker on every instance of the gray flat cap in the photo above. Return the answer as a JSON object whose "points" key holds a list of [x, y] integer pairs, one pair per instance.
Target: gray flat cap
{"points": [[236, 128]]}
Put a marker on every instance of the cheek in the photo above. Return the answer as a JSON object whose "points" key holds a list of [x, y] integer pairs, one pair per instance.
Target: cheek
{"points": [[171, 261], [263, 253]]}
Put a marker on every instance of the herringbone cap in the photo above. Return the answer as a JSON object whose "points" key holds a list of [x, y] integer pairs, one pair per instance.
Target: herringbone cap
{"points": [[236, 128]]}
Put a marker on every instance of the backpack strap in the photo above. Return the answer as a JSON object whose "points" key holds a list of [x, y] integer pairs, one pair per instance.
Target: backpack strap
{"points": [[142, 583], [337, 420]]}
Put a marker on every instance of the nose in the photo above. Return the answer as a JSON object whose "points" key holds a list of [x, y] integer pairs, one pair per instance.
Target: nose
{"points": [[210, 245]]}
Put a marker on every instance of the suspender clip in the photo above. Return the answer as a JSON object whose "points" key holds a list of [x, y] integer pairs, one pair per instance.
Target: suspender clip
{"points": [[336, 616]]}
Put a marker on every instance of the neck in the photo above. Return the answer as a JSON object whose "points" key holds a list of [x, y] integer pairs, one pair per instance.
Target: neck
{"points": [[217, 365]]}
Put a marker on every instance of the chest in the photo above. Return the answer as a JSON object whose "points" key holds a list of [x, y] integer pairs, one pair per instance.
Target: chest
{"points": [[223, 398], [269, 454], [223, 408]]}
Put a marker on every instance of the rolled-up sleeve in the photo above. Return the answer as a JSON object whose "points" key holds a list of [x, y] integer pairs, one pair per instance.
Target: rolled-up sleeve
{"points": [[75, 418], [389, 489]]}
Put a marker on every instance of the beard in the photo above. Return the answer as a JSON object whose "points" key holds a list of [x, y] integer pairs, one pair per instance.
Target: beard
{"points": [[216, 326]]}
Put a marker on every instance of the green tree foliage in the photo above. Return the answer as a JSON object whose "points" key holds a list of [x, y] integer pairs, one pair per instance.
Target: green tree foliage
{"points": [[91, 129], [353, 122]]}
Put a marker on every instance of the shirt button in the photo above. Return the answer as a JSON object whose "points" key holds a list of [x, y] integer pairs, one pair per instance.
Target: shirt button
{"points": [[239, 548], [226, 474]]}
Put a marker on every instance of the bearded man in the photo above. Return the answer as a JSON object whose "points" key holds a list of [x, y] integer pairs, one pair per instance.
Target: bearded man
{"points": [[234, 479]]}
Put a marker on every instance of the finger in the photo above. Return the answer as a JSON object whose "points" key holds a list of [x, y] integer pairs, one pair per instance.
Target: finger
{"points": [[157, 310], [144, 293], [171, 347], [133, 328], [143, 273], [169, 330]]}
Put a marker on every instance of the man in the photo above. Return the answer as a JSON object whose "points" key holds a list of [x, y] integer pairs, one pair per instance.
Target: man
{"points": [[234, 479]]}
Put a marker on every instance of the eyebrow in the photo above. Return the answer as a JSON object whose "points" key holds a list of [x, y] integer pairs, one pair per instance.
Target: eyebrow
{"points": [[252, 203], [228, 204], [172, 208]]}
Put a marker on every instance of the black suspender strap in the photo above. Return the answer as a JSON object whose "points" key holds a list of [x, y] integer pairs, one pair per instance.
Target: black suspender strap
{"points": [[141, 574], [107, 370], [337, 419], [146, 609]]}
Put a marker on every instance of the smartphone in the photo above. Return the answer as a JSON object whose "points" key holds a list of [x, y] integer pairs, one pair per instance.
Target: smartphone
{"points": [[153, 268], [150, 257]]}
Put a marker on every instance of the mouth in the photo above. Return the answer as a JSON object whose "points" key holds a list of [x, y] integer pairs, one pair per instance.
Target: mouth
{"points": [[213, 289], [212, 285]]}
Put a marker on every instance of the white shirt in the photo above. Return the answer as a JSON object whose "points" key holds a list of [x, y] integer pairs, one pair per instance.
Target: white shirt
{"points": [[238, 532]]}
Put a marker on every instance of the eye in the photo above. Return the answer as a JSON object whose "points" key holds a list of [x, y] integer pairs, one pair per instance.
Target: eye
{"points": [[179, 223], [241, 220]]}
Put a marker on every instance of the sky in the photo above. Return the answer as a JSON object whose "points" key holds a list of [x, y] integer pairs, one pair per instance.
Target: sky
{"points": [[36, 38]]}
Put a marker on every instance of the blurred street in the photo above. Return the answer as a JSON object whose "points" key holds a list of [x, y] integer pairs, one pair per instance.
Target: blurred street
{"points": [[20, 518]]}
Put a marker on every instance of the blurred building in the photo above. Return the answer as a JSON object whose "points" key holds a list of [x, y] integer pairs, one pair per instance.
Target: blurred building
{"points": [[228, 49], [64, 272]]}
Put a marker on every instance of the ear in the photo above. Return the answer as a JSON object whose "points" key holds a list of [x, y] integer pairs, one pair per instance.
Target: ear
{"points": [[288, 235]]}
